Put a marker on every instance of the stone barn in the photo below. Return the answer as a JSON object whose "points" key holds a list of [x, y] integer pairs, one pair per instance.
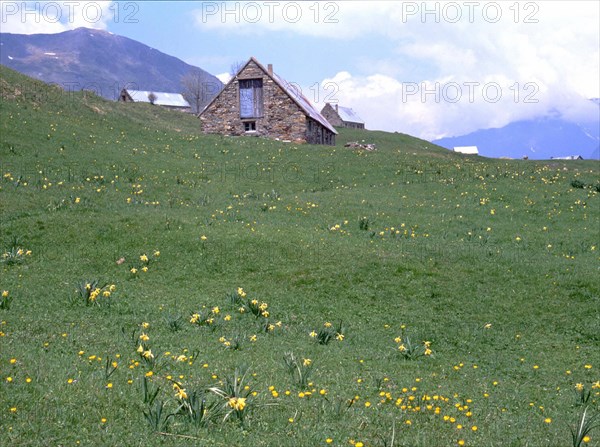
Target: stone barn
{"points": [[258, 102], [342, 116]]}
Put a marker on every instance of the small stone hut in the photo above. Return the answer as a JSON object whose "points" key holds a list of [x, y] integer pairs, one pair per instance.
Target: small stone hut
{"points": [[342, 116], [173, 101], [256, 101]]}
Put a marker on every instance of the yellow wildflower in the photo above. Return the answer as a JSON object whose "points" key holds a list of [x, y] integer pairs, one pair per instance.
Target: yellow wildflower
{"points": [[181, 394], [237, 403]]}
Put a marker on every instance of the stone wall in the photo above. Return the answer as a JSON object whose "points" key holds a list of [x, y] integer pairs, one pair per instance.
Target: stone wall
{"points": [[332, 116], [351, 125], [282, 117], [317, 134]]}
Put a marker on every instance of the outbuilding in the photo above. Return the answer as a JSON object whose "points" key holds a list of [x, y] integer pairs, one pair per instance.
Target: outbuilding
{"points": [[174, 101], [342, 116]]}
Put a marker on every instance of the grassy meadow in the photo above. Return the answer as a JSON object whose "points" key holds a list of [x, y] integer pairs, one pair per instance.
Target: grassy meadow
{"points": [[163, 287]]}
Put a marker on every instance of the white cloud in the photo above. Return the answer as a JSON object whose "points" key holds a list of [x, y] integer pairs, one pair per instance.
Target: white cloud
{"points": [[545, 51], [54, 17], [448, 106], [318, 19]]}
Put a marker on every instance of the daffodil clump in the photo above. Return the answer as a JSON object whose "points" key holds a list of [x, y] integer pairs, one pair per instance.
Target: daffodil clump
{"points": [[5, 300], [92, 293], [196, 406], [411, 351], [141, 264], [328, 332], [299, 369], [244, 304], [15, 255], [145, 353], [206, 317], [238, 306], [236, 395]]}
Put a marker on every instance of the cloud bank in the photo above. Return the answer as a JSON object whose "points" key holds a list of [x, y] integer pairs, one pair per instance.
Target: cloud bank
{"points": [[454, 66]]}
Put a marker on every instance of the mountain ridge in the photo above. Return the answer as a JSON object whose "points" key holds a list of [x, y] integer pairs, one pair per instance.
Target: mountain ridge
{"points": [[97, 60], [539, 138]]}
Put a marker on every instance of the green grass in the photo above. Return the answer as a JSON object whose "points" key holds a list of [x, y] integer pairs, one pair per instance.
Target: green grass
{"points": [[495, 262]]}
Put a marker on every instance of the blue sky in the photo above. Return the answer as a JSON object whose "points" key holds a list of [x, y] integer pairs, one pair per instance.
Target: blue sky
{"points": [[430, 69]]}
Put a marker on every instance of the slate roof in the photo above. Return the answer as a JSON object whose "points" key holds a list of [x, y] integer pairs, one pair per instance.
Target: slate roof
{"points": [[162, 98], [468, 150], [348, 115], [301, 100]]}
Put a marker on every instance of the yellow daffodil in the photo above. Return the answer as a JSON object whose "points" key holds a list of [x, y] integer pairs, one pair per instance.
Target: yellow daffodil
{"points": [[181, 394], [237, 403]]}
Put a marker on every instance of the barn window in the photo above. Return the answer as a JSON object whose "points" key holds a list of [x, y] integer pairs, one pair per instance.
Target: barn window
{"points": [[250, 126], [251, 98]]}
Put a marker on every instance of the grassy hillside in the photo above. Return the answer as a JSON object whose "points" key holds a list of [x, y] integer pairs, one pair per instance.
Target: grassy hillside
{"points": [[456, 298]]}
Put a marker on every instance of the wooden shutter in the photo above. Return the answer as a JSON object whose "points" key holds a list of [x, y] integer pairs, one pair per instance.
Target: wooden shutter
{"points": [[251, 98]]}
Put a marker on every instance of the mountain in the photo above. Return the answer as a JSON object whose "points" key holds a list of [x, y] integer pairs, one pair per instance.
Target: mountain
{"points": [[540, 138], [97, 60]]}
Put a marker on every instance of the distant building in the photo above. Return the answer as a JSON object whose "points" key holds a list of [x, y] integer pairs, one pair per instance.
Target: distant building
{"points": [[568, 157], [467, 150], [256, 101], [174, 101], [342, 116]]}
